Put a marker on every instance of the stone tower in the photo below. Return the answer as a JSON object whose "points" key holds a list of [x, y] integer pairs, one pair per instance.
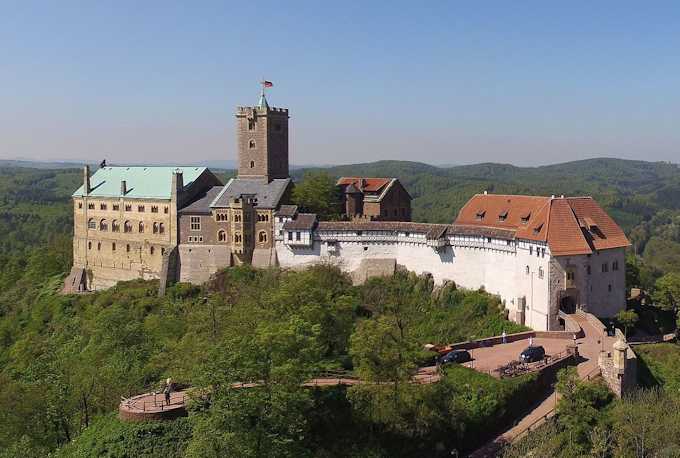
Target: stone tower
{"points": [[262, 139]]}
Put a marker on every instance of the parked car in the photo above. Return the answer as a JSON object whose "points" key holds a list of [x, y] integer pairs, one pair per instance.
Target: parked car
{"points": [[532, 354], [456, 356]]}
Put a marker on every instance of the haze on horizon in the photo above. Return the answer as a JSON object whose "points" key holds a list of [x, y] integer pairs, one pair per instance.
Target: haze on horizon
{"points": [[527, 83]]}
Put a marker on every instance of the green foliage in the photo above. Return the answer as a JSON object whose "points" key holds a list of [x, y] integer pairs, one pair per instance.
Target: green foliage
{"points": [[628, 319], [660, 366], [317, 193], [112, 438]]}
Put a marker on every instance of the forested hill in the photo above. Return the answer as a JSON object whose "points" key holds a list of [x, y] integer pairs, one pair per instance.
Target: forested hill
{"points": [[632, 190]]}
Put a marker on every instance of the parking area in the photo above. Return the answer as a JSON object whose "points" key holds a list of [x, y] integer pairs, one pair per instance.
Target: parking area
{"points": [[488, 359]]}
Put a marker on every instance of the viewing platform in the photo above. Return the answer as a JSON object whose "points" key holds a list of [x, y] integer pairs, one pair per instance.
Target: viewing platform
{"points": [[152, 407]]}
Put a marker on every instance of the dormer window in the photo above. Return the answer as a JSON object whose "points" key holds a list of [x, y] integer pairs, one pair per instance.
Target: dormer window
{"points": [[480, 214], [538, 228], [503, 215], [525, 218], [252, 164]]}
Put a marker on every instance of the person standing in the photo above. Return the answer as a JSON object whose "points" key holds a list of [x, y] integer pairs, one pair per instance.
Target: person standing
{"points": [[503, 337], [167, 390]]}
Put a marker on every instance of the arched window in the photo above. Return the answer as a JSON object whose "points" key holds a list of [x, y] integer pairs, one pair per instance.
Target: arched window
{"points": [[162, 251], [127, 247], [115, 226], [252, 164], [103, 225], [91, 224], [221, 236], [161, 228], [113, 246], [237, 218], [251, 144], [127, 226], [155, 228], [141, 227], [262, 236], [237, 238], [89, 245], [99, 246], [151, 250]]}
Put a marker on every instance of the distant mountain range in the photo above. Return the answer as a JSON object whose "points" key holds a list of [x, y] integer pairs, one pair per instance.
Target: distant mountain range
{"points": [[70, 164]]}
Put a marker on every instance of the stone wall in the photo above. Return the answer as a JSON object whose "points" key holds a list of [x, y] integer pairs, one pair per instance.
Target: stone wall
{"points": [[197, 263]]}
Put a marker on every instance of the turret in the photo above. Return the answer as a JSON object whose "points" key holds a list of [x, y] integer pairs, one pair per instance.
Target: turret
{"points": [[123, 188]]}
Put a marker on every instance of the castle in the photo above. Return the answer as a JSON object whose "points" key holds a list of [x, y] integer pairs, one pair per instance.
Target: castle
{"points": [[543, 256]]}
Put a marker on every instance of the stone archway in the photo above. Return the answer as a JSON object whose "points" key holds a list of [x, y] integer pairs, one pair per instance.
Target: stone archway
{"points": [[568, 304]]}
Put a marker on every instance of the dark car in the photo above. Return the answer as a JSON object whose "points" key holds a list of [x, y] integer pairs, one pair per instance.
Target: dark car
{"points": [[456, 356], [532, 354]]}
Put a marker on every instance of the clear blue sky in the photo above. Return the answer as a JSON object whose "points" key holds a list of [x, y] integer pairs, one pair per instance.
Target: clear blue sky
{"points": [[529, 82]]}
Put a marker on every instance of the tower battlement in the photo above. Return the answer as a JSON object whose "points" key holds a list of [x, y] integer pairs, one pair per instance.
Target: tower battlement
{"points": [[244, 111]]}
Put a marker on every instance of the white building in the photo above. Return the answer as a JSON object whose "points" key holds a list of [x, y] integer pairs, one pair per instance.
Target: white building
{"points": [[539, 254]]}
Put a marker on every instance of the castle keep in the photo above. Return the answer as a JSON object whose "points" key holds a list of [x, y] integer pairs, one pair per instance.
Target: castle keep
{"points": [[543, 256]]}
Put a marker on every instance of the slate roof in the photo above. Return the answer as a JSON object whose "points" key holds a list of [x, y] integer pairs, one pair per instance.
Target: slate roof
{"points": [[141, 182], [570, 225], [431, 231], [303, 222], [268, 194], [287, 211], [201, 205]]}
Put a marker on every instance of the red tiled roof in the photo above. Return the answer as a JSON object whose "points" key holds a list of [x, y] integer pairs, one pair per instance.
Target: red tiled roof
{"points": [[365, 184], [572, 225]]}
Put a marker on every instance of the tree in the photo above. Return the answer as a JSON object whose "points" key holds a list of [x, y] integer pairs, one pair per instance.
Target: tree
{"points": [[256, 404], [628, 319], [667, 293], [317, 193]]}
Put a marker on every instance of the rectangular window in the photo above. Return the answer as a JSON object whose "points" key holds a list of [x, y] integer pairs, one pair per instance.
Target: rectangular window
{"points": [[113, 246], [290, 236], [297, 236], [531, 250], [588, 270], [605, 267], [195, 223], [615, 265]]}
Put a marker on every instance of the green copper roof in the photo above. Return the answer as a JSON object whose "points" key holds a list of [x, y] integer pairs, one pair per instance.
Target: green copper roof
{"points": [[263, 101], [141, 182]]}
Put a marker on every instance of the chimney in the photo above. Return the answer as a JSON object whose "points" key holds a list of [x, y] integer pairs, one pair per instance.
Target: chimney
{"points": [[86, 180], [123, 187], [486, 192], [177, 185]]}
